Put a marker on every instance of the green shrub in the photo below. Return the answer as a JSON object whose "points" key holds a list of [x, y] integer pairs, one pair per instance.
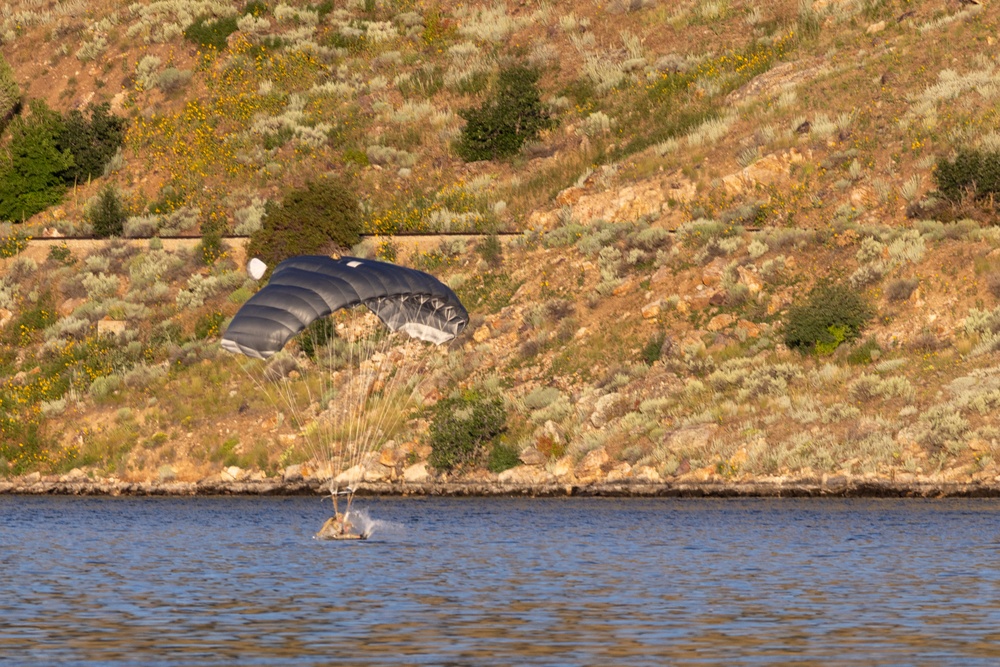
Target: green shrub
{"points": [[319, 332], [108, 216], [32, 166], [491, 250], [322, 216], [653, 349], [209, 325], [503, 456], [92, 142], [974, 172], [10, 94], [513, 115], [462, 426], [832, 314], [210, 34]]}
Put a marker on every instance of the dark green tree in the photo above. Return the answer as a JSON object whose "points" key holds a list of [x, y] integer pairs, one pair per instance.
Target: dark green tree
{"points": [[33, 165], [108, 216], [321, 217], [93, 142], [973, 173], [513, 115], [10, 94]]}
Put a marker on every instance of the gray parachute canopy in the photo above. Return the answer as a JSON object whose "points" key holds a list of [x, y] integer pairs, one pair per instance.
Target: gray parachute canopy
{"points": [[305, 288]]}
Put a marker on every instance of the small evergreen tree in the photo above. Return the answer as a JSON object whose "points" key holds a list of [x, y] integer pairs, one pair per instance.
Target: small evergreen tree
{"points": [[514, 114], [32, 166], [322, 216], [108, 216], [93, 142]]}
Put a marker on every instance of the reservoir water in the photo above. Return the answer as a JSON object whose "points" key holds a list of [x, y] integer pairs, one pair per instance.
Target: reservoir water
{"points": [[574, 581]]}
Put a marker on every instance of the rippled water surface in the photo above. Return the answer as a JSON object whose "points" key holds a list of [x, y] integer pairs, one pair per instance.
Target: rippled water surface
{"points": [[240, 581]]}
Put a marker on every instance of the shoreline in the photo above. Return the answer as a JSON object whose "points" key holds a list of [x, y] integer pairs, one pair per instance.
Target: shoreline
{"points": [[833, 487]]}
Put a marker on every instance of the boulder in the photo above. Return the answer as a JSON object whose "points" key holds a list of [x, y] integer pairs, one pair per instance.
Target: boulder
{"points": [[232, 474], [599, 417], [5, 317], [376, 472], [620, 473], [417, 473], [720, 322], [593, 462], [292, 474], [691, 437], [562, 467], [651, 310], [713, 271], [532, 457], [351, 476], [166, 473]]}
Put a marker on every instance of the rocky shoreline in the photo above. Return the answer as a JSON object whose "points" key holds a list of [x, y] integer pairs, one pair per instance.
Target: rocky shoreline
{"points": [[835, 487]]}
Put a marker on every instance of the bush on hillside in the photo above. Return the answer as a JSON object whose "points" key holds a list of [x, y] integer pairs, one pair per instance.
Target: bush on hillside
{"points": [[108, 215], [92, 141], [320, 217], [831, 314], [10, 94], [208, 33], [462, 427], [972, 172], [32, 166], [513, 115]]}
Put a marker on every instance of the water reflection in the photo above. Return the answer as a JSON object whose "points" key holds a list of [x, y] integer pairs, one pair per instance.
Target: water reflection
{"points": [[158, 581]]}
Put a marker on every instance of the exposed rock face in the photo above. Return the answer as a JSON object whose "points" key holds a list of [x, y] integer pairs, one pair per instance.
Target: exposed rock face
{"points": [[691, 437], [591, 466], [524, 475]]}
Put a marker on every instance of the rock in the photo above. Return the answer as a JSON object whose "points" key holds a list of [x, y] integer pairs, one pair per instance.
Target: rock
{"points": [[749, 329], [524, 475], [292, 474], [532, 457], [75, 475], [108, 327], [551, 431], [351, 476], [591, 465], [620, 472], [377, 472], [647, 474], [651, 310], [691, 437], [875, 27], [416, 473], [482, 334], [750, 279], [599, 416], [624, 288], [662, 275], [232, 474], [720, 322], [166, 473], [562, 467], [391, 456], [713, 271], [570, 196], [32, 478], [5, 317]]}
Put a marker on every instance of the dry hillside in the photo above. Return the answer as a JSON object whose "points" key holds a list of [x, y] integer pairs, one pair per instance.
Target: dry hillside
{"points": [[708, 180]]}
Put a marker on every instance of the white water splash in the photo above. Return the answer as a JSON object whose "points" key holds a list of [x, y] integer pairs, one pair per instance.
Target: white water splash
{"points": [[367, 526]]}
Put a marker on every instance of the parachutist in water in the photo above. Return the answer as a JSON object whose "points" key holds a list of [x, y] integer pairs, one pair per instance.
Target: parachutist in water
{"points": [[338, 527]]}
